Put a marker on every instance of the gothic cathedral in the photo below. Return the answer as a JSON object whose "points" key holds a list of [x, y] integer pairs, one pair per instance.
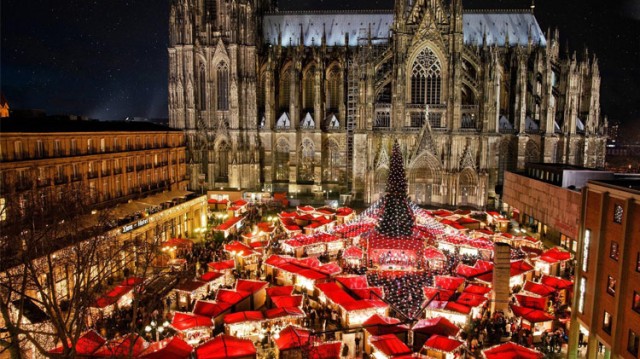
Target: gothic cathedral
{"points": [[312, 101]]}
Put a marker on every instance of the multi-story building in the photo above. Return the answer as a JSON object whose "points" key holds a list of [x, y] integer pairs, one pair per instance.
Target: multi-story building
{"points": [[312, 101], [114, 161], [546, 198], [606, 310]]}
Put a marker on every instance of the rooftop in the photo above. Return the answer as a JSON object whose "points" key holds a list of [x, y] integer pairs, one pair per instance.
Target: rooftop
{"points": [[56, 124], [626, 184]]}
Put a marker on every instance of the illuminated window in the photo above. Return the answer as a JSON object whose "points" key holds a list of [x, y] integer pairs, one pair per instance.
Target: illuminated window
{"points": [[583, 289], [613, 252], [638, 262], [617, 213], [425, 78], [611, 285], [585, 250], [285, 89], [635, 304], [634, 343], [606, 322], [3, 209]]}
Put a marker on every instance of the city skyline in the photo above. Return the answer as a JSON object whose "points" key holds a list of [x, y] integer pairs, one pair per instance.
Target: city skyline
{"points": [[108, 60]]}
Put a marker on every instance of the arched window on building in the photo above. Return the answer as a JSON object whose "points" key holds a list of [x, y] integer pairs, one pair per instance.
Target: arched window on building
{"points": [[426, 83], [222, 75], [306, 167], [222, 159], [333, 89], [202, 89], [285, 89], [334, 162], [281, 165], [308, 89], [210, 12]]}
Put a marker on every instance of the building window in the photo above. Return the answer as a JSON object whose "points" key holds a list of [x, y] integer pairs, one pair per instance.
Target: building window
{"points": [[103, 145], [3, 209], [585, 250], [17, 148], [634, 343], [285, 90], [614, 253], [57, 149], [583, 289], [202, 89], [635, 303], [611, 285], [426, 78], [222, 73], [606, 323], [617, 213], [308, 88], [638, 262], [39, 149]]}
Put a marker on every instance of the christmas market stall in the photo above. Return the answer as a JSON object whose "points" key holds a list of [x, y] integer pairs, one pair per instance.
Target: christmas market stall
{"points": [[129, 345], [552, 261], [388, 346], [245, 257], [352, 311], [194, 328], [278, 291], [291, 342], [213, 309], [285, 315], [304, 245], [245, 324], [563, 287], [187, 292], [224, 267], [303, 273], [177, 247], [345, 215], [353, 256], [521, 271], [169, 348], [230, 226], [85, 346], [214, 280], [325, 350], [426, 328], [226, 347], [380, 325], [257, 289], [511, 350], [536, 320], [441, 347], [120, 297], [500, 222], [454, 312]]}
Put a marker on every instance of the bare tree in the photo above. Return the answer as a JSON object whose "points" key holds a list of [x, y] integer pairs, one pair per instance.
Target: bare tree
{"points": [[56, 256]]}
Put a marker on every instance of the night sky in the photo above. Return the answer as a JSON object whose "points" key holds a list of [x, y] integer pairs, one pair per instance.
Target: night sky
{"points": [[108, 59]]}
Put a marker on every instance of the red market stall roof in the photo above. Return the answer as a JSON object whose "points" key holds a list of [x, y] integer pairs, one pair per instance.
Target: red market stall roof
{"points": [[266, 227], [532, 315], [511, 350], [88, 343], [448, 282], [185, 321], [389, 345], [344, 211], [279, 291], [330, 350], [302, 240], [477, 289], [310, 269], [170, 348], [554, 255], [431, 293], [132, 343], [283, 312], [239, 248], [353, 281], [462, 212], [532, 302], [433, 254], [539, 289], [338, 296], [442, 213], [223, 265], [438, 325], [354, 229], [517, 268], [178, 242], [442, 343], [467, 220], [251, 286], [210, 308], [229, 223], [287, 301], [556, 282], [292, 337], [353, 252], [378, 325], [470, 299], [113, 296], [226, 347], [246, 316], [307, 209], [210, 276], [230, 296], [449, 306]]}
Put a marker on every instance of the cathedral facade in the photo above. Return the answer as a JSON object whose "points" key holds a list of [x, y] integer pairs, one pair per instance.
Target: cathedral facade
{"points": [[313, 101]]}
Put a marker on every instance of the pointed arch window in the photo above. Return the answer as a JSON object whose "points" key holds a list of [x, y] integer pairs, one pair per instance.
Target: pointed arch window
{"points": [[222, 74], [210, 11], [222, 170], [202, 89], [285, 89], [333, 87], [309, 88], [426, 78], [282, 161]]}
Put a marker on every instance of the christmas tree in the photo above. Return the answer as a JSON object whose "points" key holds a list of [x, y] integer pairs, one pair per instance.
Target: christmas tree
{"points": [[397, 217]]}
